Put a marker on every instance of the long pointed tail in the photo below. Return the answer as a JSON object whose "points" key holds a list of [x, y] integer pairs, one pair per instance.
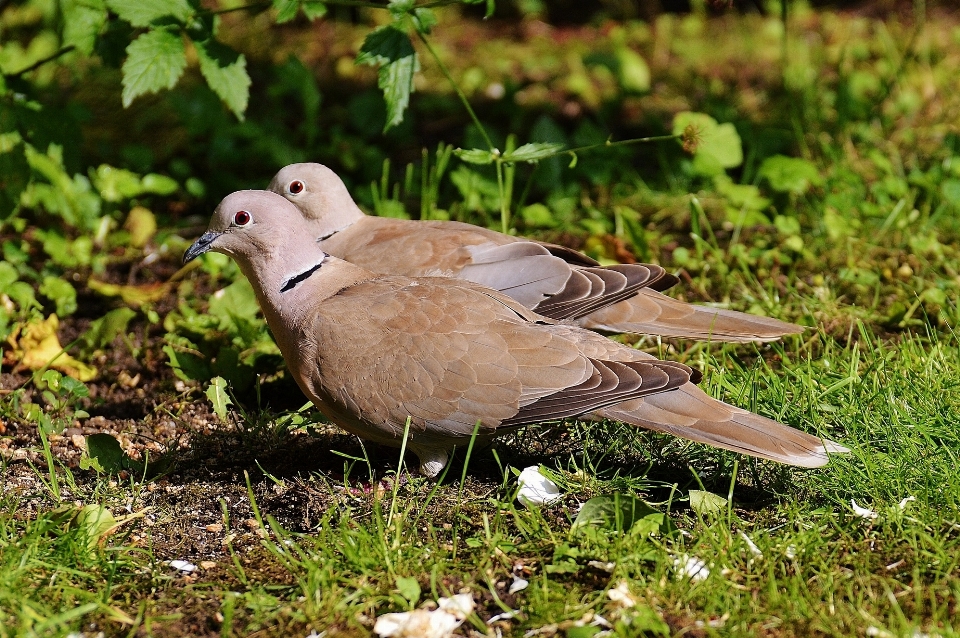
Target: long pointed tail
{"points": [[653, 313], [690, 413]]}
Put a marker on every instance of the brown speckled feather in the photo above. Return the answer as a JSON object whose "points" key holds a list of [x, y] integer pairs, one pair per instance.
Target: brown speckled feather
{"points": [[553, 280]]}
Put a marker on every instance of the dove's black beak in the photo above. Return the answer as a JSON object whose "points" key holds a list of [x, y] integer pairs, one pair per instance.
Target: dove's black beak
{"points": [[200, 246]]}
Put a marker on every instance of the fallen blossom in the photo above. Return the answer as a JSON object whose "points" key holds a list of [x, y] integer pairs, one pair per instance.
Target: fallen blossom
{"points": [[903, 503], [535, 488], [862, 512], [751, 545], [621, 595], [691, 567], [518, 584], [426, 623], [182, 566], [507, 615]]}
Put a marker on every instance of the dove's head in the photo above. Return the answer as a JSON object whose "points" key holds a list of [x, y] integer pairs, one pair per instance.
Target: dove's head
{"points": [[261, 231], [319, 194]]}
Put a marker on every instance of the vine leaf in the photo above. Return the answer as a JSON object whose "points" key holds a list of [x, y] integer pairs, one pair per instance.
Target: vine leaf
{"points": [[155, 61], [143, 13], [392, 50], [226, 72]]}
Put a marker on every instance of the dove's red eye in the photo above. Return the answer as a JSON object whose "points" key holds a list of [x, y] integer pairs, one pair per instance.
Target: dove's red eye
{"points": [[296, 187], [242, 218]]}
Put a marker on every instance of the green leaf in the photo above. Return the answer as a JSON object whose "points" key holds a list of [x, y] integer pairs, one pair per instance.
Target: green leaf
{"points": [[286, 10], [105, 451], [155, 61], [141, 13], [533, 152], [226, 72], [392, 50], [424, 20], [217, 393], [789, 174], [314, 9], [104, 330], [950, 189], [718, 145], [14, 177], [633, 71], [82, 22], [704, 503], [619, 513], [537, 216], [60, 292], [409, 588], [475, 155]]}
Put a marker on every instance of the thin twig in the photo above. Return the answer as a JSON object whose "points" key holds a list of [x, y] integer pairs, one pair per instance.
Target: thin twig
{"points": [[456, 87], [39, 63]]}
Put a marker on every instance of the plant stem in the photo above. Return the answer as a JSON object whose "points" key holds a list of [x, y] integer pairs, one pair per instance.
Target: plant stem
{"points": [[456, 87], [609, 144], [39, 63]]}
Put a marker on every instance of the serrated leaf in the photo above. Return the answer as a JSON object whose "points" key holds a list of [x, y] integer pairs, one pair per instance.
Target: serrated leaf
{"points": [[474, 155], [155, 61], [225, 71], [140, 13], [704, 503], [217, 393], [392, 50], [533, 152], [82, 22], [424, 20], [286, 10]]}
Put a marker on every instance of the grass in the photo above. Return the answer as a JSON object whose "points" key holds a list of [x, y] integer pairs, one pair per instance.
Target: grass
{"points": [[295, 528]]}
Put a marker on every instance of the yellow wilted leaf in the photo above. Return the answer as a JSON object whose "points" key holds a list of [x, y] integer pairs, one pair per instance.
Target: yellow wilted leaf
{"points": [[131, 295], [39, 347]]}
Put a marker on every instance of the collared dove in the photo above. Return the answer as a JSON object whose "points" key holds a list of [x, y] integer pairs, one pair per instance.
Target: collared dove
{"points": [[373, 350], [552, 280]]}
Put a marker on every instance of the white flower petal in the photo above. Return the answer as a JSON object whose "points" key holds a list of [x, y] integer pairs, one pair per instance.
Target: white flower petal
{"points": [[691, 567], [460, 605], [419, 623], [862, 512], [903, 503], [507, 615], [621, 595], [182, 566], [751, 545], [535, 488], [518, 584]]}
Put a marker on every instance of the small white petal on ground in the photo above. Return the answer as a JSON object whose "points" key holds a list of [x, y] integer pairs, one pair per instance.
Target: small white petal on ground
{"points": [[862, 512], [751, 545], [621, 595], [535, 488], [691, 567], [507, 615], [425, 623], [903, 503], [518, 584], [183, 566]]}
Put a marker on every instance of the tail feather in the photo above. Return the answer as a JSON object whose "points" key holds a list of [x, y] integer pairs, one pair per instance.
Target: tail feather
{"points": [[650, 312], [690, 413]]}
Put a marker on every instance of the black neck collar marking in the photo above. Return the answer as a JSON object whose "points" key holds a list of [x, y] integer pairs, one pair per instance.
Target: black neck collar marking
{"points": [[297, 279]]}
